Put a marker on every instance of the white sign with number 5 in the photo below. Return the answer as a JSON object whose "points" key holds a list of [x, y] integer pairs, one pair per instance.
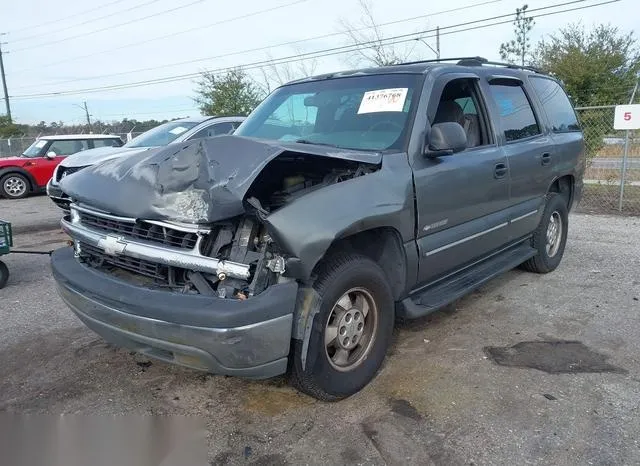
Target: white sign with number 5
{"points": [[627, 117]]}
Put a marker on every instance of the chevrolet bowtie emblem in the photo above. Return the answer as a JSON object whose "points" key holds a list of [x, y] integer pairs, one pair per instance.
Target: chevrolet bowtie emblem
{"points": [[112, 245]]}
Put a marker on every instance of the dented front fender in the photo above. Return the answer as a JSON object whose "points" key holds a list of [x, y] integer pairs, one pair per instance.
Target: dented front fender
{"points": [[306, 228]]}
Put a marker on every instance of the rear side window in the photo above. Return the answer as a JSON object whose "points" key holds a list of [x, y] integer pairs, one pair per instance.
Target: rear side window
{"points": [[516, 114], [106, 143], [556, 104], [221, 128], [213, 130]]}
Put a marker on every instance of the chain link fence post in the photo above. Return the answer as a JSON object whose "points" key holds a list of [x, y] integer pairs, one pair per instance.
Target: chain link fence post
{"points": [[612, 179]]}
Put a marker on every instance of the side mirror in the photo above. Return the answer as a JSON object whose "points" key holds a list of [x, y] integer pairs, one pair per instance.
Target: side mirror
{"points": [[51, 155], [445, 139]]}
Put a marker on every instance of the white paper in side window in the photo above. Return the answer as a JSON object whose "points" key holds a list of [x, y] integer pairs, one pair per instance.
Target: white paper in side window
{"points": [[178, 130], [383, 100], [41, 143]]}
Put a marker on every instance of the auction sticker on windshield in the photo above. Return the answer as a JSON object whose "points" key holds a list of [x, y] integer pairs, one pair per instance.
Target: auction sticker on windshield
{"points": [[383, 100], [178, 130], [41, 143]]}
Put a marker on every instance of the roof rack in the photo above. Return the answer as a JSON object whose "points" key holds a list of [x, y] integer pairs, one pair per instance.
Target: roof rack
{"points": [[475, 61]]}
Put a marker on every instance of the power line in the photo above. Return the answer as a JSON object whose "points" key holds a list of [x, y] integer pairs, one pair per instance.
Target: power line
{"points": [[164, 111], [101, 7], [308, 39], [309, 55], [282, 44], [66, 28], [95, 31], [316, 54]]}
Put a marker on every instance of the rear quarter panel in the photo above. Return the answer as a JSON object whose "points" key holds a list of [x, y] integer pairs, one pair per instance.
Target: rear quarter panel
{"points": [[569, 156]]}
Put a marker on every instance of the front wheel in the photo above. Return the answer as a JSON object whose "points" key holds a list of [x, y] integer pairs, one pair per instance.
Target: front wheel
{"points": [[550, 238], [351, 330], [14, 186], [4, 274]]}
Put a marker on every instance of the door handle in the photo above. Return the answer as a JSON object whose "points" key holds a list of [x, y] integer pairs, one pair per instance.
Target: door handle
{"points": [[500, 170], [546, 158]]}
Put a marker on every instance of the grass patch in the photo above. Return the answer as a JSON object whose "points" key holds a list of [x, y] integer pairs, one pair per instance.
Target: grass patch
{"points": [[603, 199]]}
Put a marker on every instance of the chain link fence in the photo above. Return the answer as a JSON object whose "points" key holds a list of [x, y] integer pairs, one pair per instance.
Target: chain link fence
{"points": [[14, 146], [612, 180]]}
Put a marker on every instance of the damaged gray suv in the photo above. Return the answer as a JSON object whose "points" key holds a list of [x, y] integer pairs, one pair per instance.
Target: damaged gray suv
{"points": [[343, 202]]}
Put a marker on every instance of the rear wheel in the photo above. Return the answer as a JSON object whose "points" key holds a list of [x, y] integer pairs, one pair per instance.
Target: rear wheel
{"points": [[14, 186], [4, 274], [351, 330], [550, 238]]}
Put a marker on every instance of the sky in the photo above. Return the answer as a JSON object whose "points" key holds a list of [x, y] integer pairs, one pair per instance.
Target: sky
{"points": [[80, 45]]}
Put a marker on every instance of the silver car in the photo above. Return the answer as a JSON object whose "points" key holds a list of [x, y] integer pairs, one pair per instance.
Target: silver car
{"points": [[180, 130]]}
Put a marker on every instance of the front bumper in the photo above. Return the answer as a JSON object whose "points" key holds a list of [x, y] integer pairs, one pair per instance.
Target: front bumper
{"points": [[58, 197], [248, 338]]}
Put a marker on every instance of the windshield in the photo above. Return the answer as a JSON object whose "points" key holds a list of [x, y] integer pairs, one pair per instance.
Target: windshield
{"points": [[161, 135], [34, 149], [360, 112]]}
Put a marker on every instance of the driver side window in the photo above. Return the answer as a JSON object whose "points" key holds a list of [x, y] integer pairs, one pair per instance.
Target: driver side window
{"points": [[460, 103]]}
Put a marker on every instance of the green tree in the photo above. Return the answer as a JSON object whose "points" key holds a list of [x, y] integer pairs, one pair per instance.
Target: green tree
{"points": [[519, 49], [233, 93], [597, 67], [9, 130]]}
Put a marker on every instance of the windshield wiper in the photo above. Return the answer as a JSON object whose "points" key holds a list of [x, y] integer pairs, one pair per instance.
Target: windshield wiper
{"points": [[306, 141]]}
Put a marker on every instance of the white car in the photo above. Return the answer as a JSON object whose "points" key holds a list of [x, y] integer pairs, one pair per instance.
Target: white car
{"points": [[180, 130]]}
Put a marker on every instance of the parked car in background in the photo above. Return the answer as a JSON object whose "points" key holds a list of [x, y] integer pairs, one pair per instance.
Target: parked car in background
{"points": [[180, 130], [31, 171]]}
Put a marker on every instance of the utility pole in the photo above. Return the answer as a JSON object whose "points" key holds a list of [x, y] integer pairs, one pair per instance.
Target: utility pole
{"points": [[437, 49], [4, 81], [86, 112]]}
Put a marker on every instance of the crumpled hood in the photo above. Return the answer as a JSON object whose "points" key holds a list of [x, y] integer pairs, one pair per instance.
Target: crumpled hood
{"points": [[100, 154], [198, 181]]}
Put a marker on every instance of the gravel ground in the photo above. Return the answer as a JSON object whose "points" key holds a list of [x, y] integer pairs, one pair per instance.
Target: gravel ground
{"points": [[489, 380]]}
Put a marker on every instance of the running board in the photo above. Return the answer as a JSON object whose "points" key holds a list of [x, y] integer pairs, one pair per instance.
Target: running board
{"points": [[447, 290]]}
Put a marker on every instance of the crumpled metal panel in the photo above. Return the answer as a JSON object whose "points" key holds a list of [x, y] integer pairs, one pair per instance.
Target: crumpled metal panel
{"points": [[199, 181]]}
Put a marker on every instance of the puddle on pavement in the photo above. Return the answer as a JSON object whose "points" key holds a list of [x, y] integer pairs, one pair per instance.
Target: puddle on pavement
{"points": [[554, 357], [405, 408]]}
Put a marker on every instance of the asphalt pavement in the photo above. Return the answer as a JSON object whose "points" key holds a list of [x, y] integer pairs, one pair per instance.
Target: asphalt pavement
{"points": [[612, 163], [529, 369], [32, 214]]}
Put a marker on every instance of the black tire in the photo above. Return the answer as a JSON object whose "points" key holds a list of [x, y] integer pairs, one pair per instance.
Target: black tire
{"points": [[337, 276], [4, 274], [543, 262], [14, 179]]}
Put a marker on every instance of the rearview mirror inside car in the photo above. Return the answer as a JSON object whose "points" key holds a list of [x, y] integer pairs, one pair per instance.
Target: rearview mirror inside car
{"points": [[445, 139]]}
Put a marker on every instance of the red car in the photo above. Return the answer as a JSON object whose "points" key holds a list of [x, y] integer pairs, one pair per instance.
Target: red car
{"points": [[31, 171]]}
